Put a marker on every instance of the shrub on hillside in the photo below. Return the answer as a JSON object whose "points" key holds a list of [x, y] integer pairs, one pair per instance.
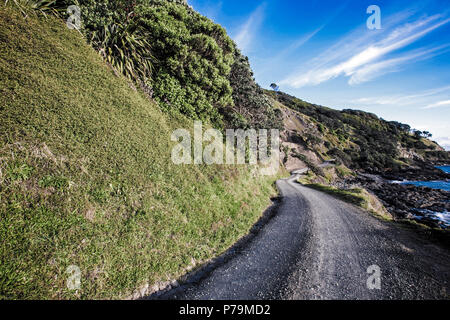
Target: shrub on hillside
{"points": [[187, 62], [193, 60], [252, 107], [164, 45]]}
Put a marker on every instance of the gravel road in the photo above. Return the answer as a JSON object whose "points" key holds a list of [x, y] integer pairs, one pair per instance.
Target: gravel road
{"points": [[318, 247]]}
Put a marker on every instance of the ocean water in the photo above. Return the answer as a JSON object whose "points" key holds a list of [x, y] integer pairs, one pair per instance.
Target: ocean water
{"points": [[444, 168], [443, 217], [444, 185]]}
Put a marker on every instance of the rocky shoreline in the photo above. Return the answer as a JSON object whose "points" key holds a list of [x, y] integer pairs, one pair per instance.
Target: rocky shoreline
{"points": [[408, 201], [426, 172]]}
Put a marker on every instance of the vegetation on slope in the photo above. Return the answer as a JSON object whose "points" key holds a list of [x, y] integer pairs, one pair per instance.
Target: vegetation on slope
{"points": [[193, 60], [252, 108], [181, 58], [86, 177], [85, 172], [361, 140]]}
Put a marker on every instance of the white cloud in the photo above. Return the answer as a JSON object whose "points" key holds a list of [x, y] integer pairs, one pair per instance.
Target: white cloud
{"points": [[274, 62], [300, 42], [247, 31], [422, 97], [367, 63], [443, 142], [374, 70], [444, 103]]}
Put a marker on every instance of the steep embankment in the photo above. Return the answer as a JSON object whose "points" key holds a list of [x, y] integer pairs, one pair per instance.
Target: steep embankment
{"points": [[86, 176]]}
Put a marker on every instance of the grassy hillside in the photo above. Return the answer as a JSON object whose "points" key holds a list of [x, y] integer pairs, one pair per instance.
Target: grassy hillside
{"points": [[86, 177], [185, 61]]}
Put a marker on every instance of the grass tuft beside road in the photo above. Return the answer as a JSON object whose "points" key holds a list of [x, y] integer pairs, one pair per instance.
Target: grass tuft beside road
{"points": [[86, 176], [356, 196]]}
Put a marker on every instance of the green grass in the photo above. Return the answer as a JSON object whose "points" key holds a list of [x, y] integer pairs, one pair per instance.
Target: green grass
{"points": [[86, 176], [343, 171], [308, 178], [353, 196], [356, 196]]}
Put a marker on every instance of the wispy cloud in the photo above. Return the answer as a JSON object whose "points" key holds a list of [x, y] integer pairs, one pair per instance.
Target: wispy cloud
{"points": [[371, 49], [373, 70], [422, 97], [213, 10], [443, 142], [274, 62], [300, 42], [444, 103], [248, 30]]}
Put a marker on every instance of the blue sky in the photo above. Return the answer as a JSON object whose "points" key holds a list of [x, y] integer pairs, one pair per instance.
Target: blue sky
{"points": [[322, 51]]}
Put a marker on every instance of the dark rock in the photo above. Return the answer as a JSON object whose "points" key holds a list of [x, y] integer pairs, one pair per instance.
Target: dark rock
{"points": [[403, 201]]}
